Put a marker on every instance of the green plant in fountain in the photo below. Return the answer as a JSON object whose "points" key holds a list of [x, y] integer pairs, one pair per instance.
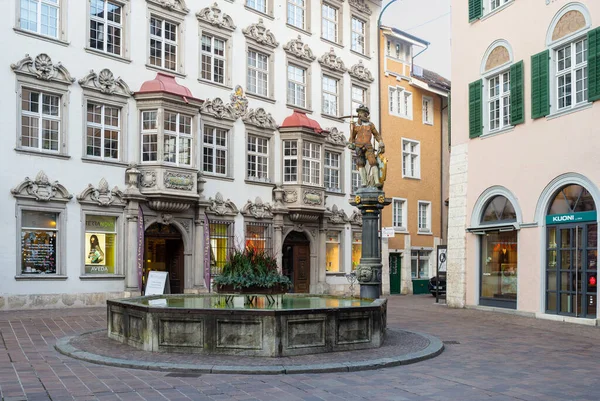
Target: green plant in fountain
{"points": [[251, 268]]}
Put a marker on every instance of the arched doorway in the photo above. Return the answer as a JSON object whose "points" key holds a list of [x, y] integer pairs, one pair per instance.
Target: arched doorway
{"points": [[163, 251], [296, 261], [572, 255]]}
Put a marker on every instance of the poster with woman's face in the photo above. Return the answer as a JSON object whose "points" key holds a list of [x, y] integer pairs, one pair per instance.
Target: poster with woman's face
{"points": [[95, 246]]}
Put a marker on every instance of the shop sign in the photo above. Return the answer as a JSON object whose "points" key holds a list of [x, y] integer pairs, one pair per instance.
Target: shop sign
{"points": [[388, 232], [100, 223], [140, 246], [571, 218]]}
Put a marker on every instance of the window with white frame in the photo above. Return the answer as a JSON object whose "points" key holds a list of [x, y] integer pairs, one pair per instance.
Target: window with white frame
{"points": [[499, 101], [106, 26], [332, 171], [311, 163], [355, 176], [400, 102], [424, 217], [296, 11], [213, 62], [330, 95], [329, 22], [399, 214], [40, 120], [258, 158], [358, 33], [427, 110], [163, 43], [149, 136], [258, 73], [419, 267], [214, 150], [258, 5], [571, 74], [40, 16], [411, 163], [177, 143], [494, 4], [290, 161], [398, 50], [103, 131], [359, 97], [296, 85]]}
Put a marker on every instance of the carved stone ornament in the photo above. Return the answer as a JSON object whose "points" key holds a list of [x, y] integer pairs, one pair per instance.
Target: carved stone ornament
{"points": [[42, 68], [168, 206], [337, 216], [221, 207], [102, 195], [213, 16], [569, 23], [219, 109], [179, 181], [260, 34], [148, 179], [297, 48], [361, 6], [41, 189], [166, 218], [302, 228], [258, 209], [302, 216], [333, 62], [172, 5], [359, 71], [335, 137], [312, 198], [290, 196], [185, 223], [239, 101], [356, 218], [106, 83], [260, 118]]}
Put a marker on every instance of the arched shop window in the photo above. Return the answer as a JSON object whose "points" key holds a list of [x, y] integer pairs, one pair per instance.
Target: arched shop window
{"points": [[571, 253], [499, 254]]}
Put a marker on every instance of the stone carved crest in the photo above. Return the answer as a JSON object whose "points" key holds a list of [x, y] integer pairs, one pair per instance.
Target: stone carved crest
{"points": [[180, 181], [259, 118], [218, 108], [361, 6], [172, 5], [106, 83], [356, 218], [148, 179], [42, 68], [290, 196], [359, 71], [221, 207], [41, 189], [297, 48], [239, 101], [334, 136], [213, 16], [102, 195], [333, 62], [260, 34], [166, 218], [258, 209], [337, 216], [312, 198]]}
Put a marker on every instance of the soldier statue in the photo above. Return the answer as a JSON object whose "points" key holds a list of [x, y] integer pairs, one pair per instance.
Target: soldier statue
{"points": [[361, 134]]}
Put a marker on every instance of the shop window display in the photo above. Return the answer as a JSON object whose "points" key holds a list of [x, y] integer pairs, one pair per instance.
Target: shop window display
{"points": [[332, 252], [419, 266], [499, 265], [100, 244], [356, 248], [39, 231]]}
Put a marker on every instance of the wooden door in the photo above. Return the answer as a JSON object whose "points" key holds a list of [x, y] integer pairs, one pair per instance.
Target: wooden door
{"points": [[301, 268], [395, 268], [175, 265]]}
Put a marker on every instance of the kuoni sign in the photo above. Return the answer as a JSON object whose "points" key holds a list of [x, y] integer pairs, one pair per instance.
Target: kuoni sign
{"points": [[571, 218]]}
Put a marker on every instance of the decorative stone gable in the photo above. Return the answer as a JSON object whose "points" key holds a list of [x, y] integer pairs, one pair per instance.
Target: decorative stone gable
{"points": [[217, 108], [42, 68], [178, 6], [260, 34], [356, 218], [239, 101], [260, 119], [333, 62], [297, 48], [221, 207], [106, 83], [258, 209], [335, 137], [337, 216], [41, 189], [213, 16], [359, 71], [361, 6], [102, 195]]}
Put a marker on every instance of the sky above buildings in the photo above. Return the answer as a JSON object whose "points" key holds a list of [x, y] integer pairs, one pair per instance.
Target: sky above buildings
{"points": [[428, 20]]}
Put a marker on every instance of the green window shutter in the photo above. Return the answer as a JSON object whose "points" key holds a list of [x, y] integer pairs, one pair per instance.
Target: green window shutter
{"points": [[517, 94], [594, 65], [540, 84], [475, 10], [475, 109]]}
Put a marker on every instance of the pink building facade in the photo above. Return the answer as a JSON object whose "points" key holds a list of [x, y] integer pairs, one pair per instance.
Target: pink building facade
{"points": [[524, 169]]}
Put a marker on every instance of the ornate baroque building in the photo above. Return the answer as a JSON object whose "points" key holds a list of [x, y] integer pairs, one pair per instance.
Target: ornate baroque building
{"points": [[153, 131]]}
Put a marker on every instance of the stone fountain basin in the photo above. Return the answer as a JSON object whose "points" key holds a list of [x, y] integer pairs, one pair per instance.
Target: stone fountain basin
{"points": [[294, 325]]}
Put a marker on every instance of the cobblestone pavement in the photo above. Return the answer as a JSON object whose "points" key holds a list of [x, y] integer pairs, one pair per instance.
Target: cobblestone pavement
{"points": [[488, 356]]}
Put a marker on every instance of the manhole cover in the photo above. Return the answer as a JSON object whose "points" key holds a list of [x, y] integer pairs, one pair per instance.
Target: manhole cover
{"points": [[451, 342]]}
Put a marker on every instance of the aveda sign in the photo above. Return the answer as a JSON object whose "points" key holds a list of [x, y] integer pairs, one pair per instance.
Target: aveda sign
{"points": [[571, 218]]}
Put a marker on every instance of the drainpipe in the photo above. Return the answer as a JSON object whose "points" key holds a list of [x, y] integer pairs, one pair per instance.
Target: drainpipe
{"points": [[442, 168]]}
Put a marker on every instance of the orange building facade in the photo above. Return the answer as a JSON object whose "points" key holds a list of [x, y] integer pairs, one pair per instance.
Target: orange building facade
{"points": [[414, 125]]}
